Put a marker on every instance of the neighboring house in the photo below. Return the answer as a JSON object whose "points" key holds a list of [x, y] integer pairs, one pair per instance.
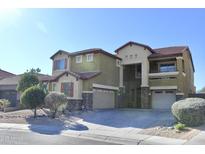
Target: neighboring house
{"points": [[155, 78], [89, 77], [8, 88], [5, 74]]}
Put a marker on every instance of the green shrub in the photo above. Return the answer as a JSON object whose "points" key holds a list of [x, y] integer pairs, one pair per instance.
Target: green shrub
{"points": [[4, 103], [33, 98], [190, 111], [180, 126], [28, 79], [55, 101]]}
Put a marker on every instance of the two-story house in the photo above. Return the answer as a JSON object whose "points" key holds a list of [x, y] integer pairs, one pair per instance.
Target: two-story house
{"points": [[155, 78], [136, 77], [89, 77]]}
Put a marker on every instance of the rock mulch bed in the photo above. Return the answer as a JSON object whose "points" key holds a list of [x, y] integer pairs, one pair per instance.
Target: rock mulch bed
{"points": [[170, 132]]}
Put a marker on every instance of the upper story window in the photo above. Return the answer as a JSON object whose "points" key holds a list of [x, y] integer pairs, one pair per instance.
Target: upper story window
{"points": [[54, 87], [60, 64], [78, 59], [167, 67], [89, 57]]}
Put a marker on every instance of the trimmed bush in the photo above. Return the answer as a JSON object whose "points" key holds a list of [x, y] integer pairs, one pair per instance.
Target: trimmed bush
{"points": [[190, 111], [4, 103], [54, 101], [33, 98]]}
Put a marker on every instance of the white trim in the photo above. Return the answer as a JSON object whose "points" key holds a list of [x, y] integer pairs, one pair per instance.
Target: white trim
{"points": [[105, 86], [163, 74], [162, 87], [179, 93], [91, 58], [179, 58], [87, 91], [76, 59]]}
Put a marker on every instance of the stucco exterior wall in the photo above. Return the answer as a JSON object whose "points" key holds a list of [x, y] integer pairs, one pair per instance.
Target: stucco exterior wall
{"points": [[85, 66], [139, 55], [58, 57], [189, 74], [109, 76], [77, 86]]}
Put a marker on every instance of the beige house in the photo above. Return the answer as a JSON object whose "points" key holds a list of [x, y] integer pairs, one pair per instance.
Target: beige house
{"points": [[136, 77], [155, 78]]}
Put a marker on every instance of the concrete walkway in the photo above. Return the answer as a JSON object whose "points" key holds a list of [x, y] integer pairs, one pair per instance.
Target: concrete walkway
{"points": [[101, 133]]}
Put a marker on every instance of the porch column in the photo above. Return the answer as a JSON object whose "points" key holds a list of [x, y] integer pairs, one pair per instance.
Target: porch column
{"points": [[145, 100], [121, 76]]}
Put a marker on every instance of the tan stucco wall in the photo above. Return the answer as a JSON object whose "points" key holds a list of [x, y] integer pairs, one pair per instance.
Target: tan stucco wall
{"points": [[77, 85], [109, 73], [85, 66], [142, 54], [58, 57]]}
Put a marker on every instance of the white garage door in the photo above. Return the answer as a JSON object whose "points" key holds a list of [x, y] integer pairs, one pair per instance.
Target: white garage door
{"points": [[163, 99], [103, 99]]}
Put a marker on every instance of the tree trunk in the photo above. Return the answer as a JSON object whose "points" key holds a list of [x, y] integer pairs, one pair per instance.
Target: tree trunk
{"points": [[54, 114], [34, 112]]}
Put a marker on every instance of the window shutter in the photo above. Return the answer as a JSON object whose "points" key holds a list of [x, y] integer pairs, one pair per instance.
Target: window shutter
{"points": [[65, 63], [72, 89], [55, 65]]}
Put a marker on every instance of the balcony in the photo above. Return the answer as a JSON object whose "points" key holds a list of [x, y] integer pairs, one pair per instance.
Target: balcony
{"points": [[168, 81]]}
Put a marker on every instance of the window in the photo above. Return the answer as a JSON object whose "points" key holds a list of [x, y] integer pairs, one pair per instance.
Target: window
{"points": [[169, 67], [131, 56], [67, 88], [126, 56], [138, 70], [136, 55], [60, 64], [118, 63], [89, 57], [54, 87], [78, 59]]}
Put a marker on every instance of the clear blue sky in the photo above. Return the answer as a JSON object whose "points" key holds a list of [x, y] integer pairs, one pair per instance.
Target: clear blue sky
{"points": [[28, 37]]}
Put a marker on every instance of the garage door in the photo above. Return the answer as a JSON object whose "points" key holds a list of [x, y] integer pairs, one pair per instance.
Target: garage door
{"points": [[163, 99], [103, 99]]}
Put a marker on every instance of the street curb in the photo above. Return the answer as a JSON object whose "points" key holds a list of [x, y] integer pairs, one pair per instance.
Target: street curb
{"points": [[137, 139]]}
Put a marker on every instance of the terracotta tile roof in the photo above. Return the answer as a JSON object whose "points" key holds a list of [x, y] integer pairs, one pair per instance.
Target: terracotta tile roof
{"points": [[5, 74], [80, 75], [136, 43], [168, 51], [15, 79], [86, 51], [87, 75]]}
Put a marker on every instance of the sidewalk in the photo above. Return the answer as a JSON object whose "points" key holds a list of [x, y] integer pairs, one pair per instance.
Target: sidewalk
{"points": [[129, 136]]}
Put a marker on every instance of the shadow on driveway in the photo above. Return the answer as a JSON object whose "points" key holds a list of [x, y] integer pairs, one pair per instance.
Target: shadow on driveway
{"points": [[46, 125]]}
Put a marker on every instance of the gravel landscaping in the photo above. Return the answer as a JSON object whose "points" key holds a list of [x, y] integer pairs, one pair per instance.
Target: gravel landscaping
{"points": [[170, 132]]}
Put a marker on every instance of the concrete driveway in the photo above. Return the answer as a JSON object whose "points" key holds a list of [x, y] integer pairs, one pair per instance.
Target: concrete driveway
{"points": [[127, 118]]}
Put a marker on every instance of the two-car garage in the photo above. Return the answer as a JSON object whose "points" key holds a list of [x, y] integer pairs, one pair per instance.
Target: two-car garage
{"points": [[104, 96]]}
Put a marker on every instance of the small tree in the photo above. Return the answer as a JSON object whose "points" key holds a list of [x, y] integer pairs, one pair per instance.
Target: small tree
{"points": [[28, 79], [54, 100], [33, 98]]}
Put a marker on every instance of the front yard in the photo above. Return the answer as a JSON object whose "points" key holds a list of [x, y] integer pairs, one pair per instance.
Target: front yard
{"points": [[127, 121]]}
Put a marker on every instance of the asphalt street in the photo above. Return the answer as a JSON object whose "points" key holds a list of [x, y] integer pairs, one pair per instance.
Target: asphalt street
{"points": [[13, 137]]}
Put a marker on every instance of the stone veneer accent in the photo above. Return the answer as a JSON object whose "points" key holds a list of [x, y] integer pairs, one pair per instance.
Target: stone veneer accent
{"points": [[74, 104], [87, 102], [145, 101]]}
